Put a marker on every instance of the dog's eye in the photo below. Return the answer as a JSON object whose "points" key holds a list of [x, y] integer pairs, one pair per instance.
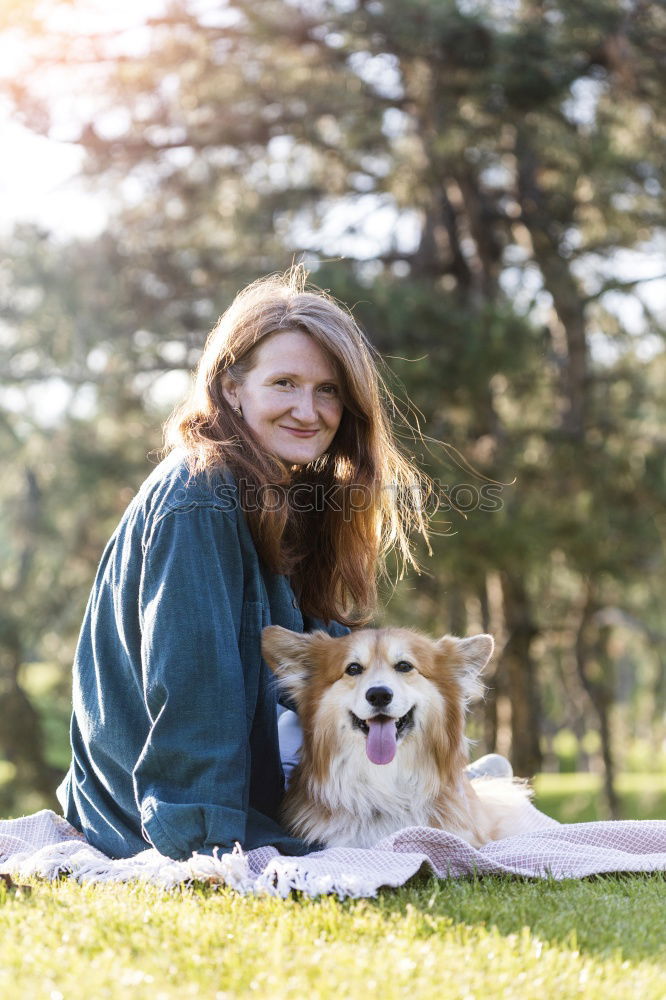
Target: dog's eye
{"points": [[403, 667], [353, 669]]}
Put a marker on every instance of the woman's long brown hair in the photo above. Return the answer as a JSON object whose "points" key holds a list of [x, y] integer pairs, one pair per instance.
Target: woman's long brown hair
{"points": [[362, 498]]}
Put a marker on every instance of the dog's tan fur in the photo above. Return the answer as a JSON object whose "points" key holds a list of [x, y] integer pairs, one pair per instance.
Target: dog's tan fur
{"points": [[338, 796]]}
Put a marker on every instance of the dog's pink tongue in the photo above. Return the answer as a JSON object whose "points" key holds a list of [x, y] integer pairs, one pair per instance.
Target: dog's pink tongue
{"points": [[380, 744]]}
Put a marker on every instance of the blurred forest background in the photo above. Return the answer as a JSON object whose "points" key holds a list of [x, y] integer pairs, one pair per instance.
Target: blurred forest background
{"points": [[482, 181]]}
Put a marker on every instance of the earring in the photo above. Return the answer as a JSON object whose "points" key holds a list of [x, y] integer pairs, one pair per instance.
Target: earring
{"points": [[238, 410]]}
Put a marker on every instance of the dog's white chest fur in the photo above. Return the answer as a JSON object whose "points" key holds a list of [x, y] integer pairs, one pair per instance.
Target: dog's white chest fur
{"points": [[363, 802]]}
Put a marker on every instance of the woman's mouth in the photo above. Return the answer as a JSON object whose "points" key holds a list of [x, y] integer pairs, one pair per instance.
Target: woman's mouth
{"points": [[301, 433]]}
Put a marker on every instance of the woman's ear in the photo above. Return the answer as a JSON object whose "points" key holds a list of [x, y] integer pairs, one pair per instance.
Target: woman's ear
{"points": [[230, 391]]}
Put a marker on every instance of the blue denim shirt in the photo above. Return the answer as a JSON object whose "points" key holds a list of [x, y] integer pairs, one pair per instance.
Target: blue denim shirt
{"points": [[174, 730]]}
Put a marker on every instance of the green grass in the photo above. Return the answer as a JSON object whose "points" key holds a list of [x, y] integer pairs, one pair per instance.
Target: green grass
{"points": [[578, 798], [487, 938]]}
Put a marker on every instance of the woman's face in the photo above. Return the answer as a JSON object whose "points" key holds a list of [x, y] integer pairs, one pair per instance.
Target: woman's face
{"points": [[291, 397]]}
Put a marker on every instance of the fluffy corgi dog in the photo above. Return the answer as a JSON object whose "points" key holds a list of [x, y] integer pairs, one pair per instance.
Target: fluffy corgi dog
{"points": [[383, 715]]}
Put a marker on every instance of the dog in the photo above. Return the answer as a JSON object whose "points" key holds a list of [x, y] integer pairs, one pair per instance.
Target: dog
{"points": [[383, 715]]}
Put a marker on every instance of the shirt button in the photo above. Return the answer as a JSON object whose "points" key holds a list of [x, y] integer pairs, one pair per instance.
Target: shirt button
{"points": [[294, 603]]}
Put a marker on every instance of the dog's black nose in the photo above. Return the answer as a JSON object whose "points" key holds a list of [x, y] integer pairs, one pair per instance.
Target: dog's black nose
{"points": [[379, 697]]}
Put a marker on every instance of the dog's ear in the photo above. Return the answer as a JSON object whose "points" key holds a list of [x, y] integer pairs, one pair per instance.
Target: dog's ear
{"points": [[472, 656], [474, 653], [286, 653]]}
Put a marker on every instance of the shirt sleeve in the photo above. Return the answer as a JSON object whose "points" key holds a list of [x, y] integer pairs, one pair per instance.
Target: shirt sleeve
{"points": [[191, 780]]}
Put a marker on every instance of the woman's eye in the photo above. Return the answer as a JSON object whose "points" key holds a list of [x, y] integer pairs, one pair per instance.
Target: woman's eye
{"points": [[353, 669], [329, 390], [403, 667], [282, 382]]}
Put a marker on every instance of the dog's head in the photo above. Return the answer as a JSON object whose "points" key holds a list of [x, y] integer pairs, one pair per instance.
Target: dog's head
{"points": [[379, 688]]}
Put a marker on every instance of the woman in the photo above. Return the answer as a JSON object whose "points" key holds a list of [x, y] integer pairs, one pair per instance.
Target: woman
{"points": [[282, 491]]}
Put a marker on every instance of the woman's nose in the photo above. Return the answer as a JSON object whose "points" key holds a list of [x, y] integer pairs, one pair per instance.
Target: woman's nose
{"points": [[304, 406]]}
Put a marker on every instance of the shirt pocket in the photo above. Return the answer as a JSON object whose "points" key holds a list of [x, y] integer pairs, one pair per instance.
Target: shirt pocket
{"points": [[249, 646]]}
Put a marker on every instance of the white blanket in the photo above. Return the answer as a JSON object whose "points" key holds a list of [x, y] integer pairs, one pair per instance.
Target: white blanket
{"points": [[46, 845]]}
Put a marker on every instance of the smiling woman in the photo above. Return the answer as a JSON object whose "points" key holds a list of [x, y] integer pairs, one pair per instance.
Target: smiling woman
{"points": [[174, 730]]}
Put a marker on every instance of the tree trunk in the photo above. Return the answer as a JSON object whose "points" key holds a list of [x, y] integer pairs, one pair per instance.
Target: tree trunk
{"points": [[595, 671], [519, 670], [546, 228], [21, 738]]}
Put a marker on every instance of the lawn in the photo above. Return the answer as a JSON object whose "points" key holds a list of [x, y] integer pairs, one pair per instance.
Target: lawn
{"points": [[578, 798], [600, 938], [451, 940]]}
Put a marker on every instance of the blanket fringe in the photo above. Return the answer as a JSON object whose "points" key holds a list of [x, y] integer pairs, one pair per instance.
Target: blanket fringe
{"points": [[280, 877], [89, 867], [283, 876]]}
